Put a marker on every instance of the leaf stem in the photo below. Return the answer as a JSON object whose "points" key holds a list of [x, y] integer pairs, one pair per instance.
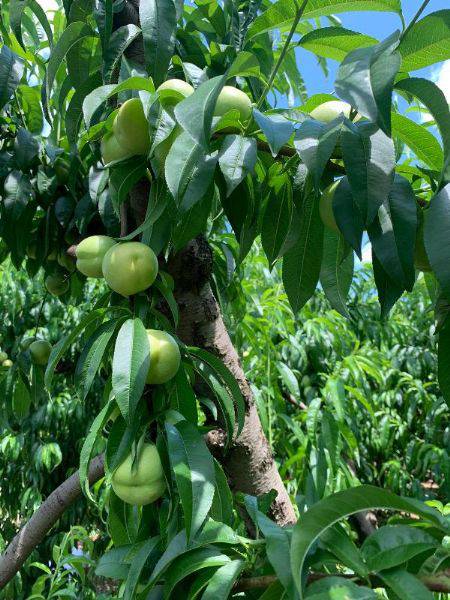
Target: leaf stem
{"points": [[283, 52], [415, 18]]}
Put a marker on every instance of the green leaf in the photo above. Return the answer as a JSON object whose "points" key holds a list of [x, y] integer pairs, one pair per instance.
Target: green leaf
{"points": [[119, 41], [121, 438], [123, 176], [221, 583], [423, 143], [64, 343], [112, 564], [222, 397], [366, 78], [389, 291], [393, 233], [337, 541], [195, 112], [335, 42], [26, 148], [276, 128], [337, 588], [74, 112], [189, 171], [222, 506], [16, 14], [435, 101], [72, 35], [21, 399], [278, 542], [369, 159], [237, 159], [436, 238], [11, 71], [131, 362], [227, 377], [103, 14], [444, 360], [158, 21], [280, 14], [336, 272], [95, 99], [276, 222], [194, 473], [338, 506], [348, 216], [427, 42], [92, 355], [404, 585], [30, 99], [393, 545], [302, 263], [137, 565], [315, 142], [88, 444], [190, 562]]}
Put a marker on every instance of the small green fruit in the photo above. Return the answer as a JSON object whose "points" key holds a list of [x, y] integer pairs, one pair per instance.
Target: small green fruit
{"points": [[7, 363], [142, 482], [328, 111], [90, 253], [164, 356], [173, 91], [40, 352], [3, 357], [232, 98], [326, 207], [111, 150], [131, 127], [130, 267], [57, 284]]}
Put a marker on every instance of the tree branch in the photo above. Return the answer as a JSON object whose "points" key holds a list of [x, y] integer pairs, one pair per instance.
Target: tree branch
{"points": [[33, 532], [438, 582]]}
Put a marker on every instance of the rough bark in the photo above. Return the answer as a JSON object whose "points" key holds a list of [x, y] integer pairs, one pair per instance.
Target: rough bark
{"points": [[249, 463], [33, 532]]}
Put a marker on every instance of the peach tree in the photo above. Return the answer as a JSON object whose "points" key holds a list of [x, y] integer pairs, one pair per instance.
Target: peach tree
{"points": [[136, 136]]}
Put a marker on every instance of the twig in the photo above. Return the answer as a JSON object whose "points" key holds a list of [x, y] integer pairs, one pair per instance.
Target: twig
{"points": [[415, 18], [283, 52], [40, 313], [438, 582], [33, 532]]}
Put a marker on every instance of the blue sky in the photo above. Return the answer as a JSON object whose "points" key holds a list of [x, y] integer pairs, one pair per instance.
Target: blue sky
{"points": [[376, 24]]}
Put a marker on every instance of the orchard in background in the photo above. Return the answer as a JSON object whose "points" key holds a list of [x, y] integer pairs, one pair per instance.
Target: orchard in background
{"points": [[136, 137]]}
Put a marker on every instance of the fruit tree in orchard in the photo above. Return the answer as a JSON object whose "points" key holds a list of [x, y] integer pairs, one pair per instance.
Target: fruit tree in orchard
{"points": [[147, 147]]}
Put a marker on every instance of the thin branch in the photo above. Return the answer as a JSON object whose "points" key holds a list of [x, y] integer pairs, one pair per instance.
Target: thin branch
{"points": [[415, 18], [283, 52], [35, 530], [438, 582]]}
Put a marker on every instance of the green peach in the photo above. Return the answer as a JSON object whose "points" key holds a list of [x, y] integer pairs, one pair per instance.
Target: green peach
{"points": [[328, 111], [164, 356], [173, 91], [90, 253], [66, 261], [3, 357], [142, 482], [229, 98], [131, 128], [111, 150], [130, 267], [7, 363], [40, 352]]}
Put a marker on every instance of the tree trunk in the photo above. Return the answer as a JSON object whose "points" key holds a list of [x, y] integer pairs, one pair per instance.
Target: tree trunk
{"points": [[249, 463]]}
